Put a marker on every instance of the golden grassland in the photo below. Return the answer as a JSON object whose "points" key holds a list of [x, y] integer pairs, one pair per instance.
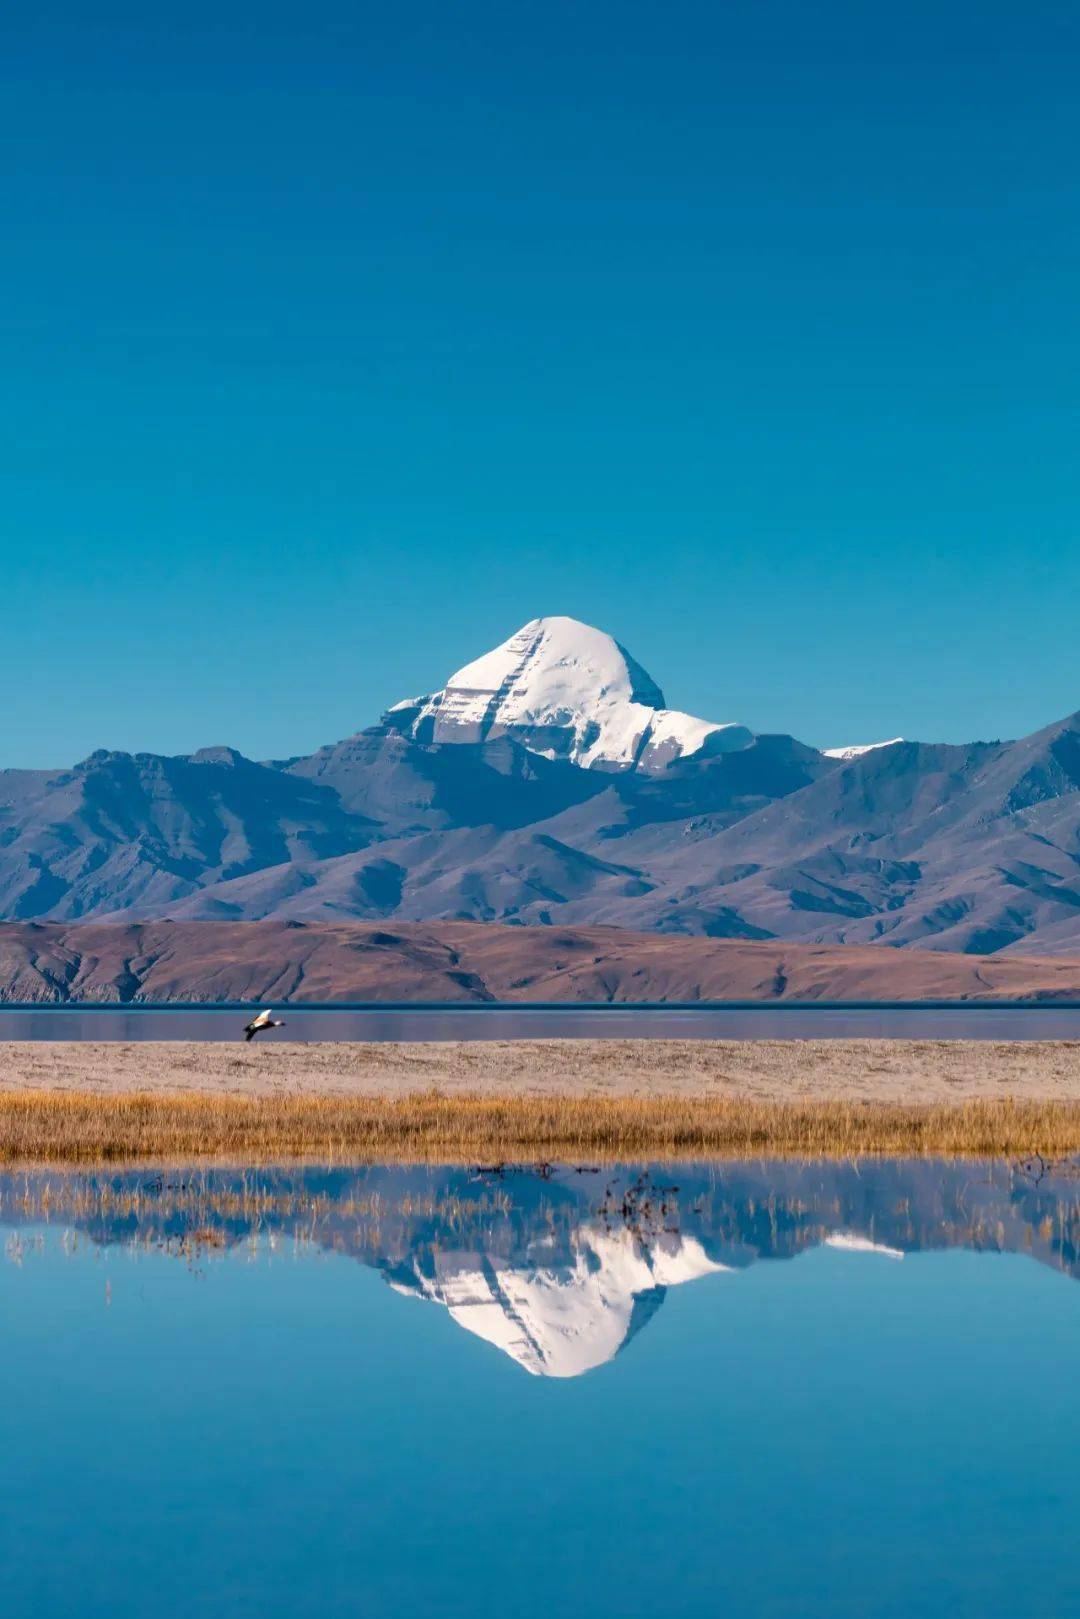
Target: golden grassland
{"points": [[80, 1127]]}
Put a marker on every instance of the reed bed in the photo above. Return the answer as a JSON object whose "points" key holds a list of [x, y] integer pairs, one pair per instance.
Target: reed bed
{"points": [[78, 1127]]}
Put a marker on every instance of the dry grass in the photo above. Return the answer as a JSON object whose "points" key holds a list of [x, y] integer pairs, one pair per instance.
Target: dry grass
{"points": [[82, 1127]]}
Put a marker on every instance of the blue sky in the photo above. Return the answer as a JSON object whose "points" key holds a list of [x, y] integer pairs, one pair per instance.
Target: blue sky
{"points": [[338, 341]]}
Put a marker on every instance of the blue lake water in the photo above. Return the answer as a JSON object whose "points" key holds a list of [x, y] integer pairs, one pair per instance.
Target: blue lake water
{"points": [[413, 1022], [759, 1389]]}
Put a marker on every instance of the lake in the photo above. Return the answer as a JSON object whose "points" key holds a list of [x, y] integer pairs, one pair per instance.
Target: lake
{"points": [[481, 1022], [760, 1389]]}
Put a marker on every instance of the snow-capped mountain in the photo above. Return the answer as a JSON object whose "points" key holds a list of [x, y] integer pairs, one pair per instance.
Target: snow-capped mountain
{"points": [[566, 691], [857, 749], [562, 1320], [547, 783]]}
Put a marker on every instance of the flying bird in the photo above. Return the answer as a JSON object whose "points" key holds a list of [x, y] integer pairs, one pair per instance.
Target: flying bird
{"points": [[265, 1020]]}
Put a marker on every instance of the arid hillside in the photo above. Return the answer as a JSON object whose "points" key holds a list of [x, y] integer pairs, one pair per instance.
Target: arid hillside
{"points": [[278, 961]]}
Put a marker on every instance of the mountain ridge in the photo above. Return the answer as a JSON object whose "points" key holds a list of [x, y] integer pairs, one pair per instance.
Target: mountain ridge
{"points": [[131, 963], [541, 796]]}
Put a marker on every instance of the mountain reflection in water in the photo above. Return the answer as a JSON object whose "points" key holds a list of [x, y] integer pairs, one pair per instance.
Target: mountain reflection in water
{"points": [[560, 1266]]}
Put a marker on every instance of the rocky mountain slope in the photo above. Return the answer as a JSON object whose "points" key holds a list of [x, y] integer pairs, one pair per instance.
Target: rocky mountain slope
{"points": [[273, 961], [548, 784]]}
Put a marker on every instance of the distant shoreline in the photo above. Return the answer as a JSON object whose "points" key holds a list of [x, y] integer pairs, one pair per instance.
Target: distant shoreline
{"points": [[92, 1102], [1049, 1002]]}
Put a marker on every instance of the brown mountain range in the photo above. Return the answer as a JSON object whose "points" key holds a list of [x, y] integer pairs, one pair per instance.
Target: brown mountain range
{"points": [[276, 961]]}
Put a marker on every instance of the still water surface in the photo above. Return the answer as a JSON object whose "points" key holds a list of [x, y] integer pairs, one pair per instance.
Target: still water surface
{"points": [[776, 1389], [560, 1022]]}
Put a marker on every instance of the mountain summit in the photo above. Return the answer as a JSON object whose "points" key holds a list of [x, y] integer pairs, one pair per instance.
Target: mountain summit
{"points": [[570, 692], [547, 783]]}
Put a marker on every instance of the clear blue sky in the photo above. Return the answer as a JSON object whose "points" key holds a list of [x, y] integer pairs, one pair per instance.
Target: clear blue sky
{"points": [[337, 341]]}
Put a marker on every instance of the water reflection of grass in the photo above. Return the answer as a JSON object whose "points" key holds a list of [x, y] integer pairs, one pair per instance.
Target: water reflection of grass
{"points": [[415, 1222], [83, 1127]]}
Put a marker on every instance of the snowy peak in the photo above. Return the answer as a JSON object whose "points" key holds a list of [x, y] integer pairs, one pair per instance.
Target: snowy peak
{"points": [[567, 691], [552, 655], [857, 749]]}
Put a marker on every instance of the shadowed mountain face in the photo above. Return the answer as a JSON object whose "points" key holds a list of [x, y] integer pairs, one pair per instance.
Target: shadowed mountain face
{"points": [[500, 799], [123, 830], [560, 1268]]}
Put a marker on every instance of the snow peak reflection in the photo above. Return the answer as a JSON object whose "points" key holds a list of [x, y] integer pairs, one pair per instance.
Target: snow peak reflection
{"points": [[559, 1266]]}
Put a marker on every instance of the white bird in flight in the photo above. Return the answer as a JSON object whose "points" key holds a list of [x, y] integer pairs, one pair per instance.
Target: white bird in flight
{"points": [[264, 1020]]}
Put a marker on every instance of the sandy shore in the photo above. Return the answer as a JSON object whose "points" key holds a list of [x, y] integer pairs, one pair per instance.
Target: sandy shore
{"points": [[890, 1071]]}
